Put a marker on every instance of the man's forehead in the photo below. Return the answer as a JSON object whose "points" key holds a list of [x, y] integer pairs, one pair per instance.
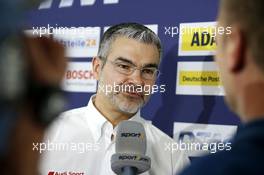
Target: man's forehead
{"points": [[124, 40], [135, 51]]}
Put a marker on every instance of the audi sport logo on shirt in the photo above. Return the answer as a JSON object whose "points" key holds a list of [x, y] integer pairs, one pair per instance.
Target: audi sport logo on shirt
{"points": [[65, 173]]}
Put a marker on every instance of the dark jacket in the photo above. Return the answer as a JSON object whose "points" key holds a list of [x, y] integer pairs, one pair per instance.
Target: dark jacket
{"points": [[245, 158]]}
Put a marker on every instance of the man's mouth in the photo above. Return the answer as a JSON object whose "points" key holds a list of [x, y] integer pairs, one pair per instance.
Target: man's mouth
{"points": [[134, 94]]}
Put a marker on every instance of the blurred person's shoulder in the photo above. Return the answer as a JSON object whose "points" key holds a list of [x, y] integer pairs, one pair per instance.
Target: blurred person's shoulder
{"points": [[232, 162]]}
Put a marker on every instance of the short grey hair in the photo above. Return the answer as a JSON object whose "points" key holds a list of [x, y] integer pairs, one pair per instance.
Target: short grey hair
{"points": [[129, 30]]}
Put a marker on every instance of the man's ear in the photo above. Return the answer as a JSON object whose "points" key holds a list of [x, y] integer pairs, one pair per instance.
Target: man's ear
{"points": [[236, 50], [96, 67]]}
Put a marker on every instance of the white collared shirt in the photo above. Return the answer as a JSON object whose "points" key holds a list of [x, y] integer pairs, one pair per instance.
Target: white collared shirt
{"points": [[81, 141]]}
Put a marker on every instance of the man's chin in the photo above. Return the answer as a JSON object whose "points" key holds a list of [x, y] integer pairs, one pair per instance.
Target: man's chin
{"points": [[127, 104]]}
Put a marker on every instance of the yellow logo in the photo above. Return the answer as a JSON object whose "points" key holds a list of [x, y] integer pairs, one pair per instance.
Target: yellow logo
{"points": [[199, 78], [195, 39]]}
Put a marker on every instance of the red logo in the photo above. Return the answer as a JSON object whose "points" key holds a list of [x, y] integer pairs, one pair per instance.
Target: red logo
{"points": [[65, 173], [79, 74]]}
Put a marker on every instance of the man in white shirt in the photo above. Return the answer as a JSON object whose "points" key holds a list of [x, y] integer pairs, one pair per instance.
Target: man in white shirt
{"points": [[82, 141]]}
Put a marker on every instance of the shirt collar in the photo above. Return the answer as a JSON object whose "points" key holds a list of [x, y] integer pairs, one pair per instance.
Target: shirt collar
{"points": [[97, 121]]}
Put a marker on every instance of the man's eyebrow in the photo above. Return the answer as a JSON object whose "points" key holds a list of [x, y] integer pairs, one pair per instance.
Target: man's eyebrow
{"points": [[150, 65], [125, 60]]}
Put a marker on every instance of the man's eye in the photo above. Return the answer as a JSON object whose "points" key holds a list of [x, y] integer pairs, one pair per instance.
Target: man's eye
{"points": [[148, 71], [123, 66]]}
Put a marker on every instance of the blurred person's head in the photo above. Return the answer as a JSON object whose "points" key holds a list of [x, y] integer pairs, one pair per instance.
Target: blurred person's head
{"points": [[129, 55], [24, 120], [240, 55], [31, 71]]}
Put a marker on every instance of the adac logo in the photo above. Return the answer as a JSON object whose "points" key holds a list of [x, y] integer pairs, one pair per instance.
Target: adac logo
{"points": [[139, 135], [203, 39], [199, 38]]}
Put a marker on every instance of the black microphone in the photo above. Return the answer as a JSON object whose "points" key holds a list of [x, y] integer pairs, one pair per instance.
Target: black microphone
{"points": [[131, 144]]}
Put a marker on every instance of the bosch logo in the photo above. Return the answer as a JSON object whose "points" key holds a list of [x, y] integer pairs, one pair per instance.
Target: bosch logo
{"points": [[79, 74]]}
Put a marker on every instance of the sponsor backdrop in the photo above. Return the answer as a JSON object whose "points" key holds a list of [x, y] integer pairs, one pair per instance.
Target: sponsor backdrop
{"points": [[192, 104]]}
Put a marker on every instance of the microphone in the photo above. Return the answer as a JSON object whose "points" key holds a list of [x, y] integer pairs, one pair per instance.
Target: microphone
{"points": [[131, 144]]}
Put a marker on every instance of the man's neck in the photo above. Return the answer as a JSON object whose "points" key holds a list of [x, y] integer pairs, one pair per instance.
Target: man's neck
{"points": [[252, 102], [108, 111]]}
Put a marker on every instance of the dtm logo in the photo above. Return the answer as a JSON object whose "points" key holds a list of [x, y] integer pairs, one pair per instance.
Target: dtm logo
{"points": [[68, 3], [203, 136], [139, 135]]}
